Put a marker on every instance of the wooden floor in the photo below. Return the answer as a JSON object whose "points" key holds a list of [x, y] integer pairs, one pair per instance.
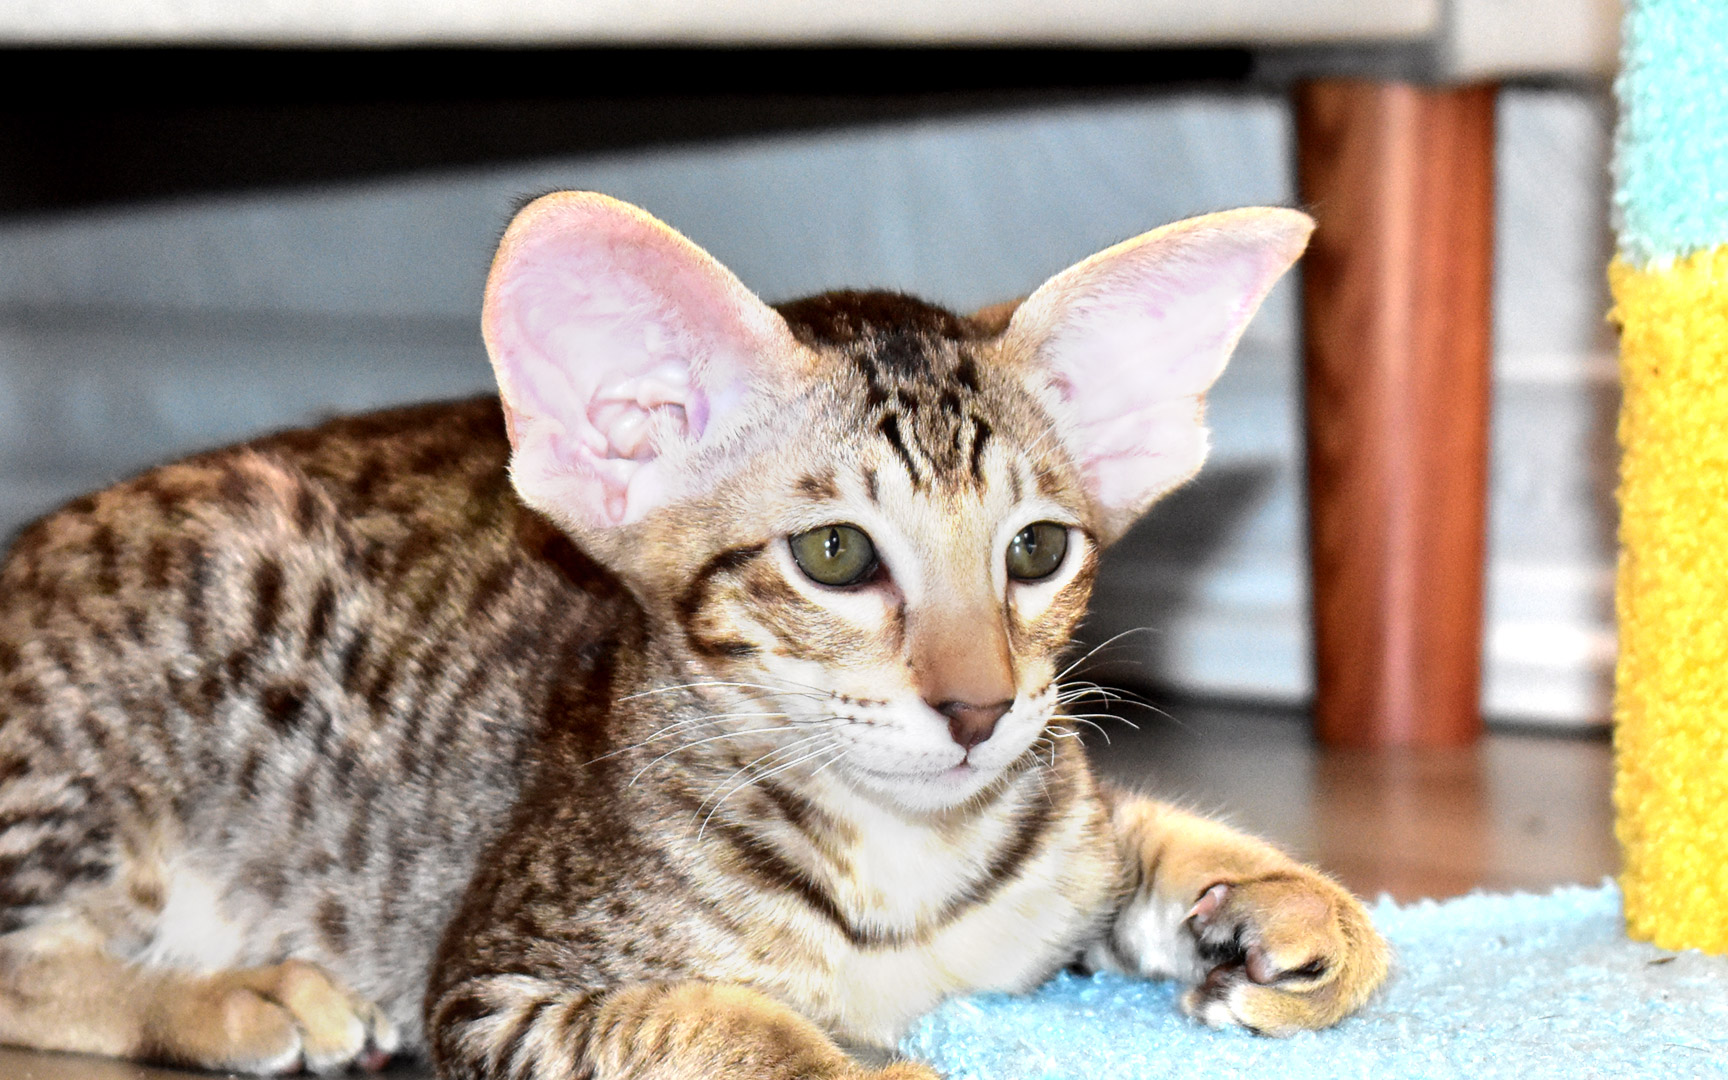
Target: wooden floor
{"points": [[1519, 812]]}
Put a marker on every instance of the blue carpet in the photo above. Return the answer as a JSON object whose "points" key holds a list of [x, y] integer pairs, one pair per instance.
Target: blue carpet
{"points": [[1485, 986]]}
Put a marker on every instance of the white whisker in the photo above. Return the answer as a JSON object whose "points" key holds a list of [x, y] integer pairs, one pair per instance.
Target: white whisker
{"points": [[711, 684], [790, 748], [1098, 728], [838, 754], [703, 742], [759, 777], [671, 729], [1102, 716], [1102, 645]]}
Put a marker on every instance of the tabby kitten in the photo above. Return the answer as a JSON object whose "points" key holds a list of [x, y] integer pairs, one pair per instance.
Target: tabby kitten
{"points": [[694, 713]]}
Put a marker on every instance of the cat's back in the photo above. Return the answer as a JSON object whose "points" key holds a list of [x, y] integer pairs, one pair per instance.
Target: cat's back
{"points": [[433, 471], [317, 661], [308, 577], [408, 504]]}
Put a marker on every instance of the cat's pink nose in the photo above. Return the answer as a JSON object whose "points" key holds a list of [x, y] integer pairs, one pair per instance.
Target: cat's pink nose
{"points": [[971, 724]]}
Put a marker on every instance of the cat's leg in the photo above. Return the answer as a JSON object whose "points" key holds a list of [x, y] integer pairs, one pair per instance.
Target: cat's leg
{"points": [[1268, 943], [525, 1028], [61, 989]]}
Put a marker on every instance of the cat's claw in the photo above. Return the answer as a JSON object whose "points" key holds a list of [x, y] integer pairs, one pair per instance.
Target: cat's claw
{"points": [[1206, 908], [374, 1060], [1287, 953]]}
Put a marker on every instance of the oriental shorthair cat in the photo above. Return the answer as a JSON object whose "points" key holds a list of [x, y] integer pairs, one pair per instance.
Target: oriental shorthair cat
{"points": [[693, 708]]}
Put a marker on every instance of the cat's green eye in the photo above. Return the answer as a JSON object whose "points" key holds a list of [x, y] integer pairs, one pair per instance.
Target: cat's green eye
{"points": [[1036, 551], [836, 555]]}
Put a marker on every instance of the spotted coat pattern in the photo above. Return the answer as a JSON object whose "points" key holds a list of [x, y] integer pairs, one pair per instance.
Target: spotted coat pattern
{"points": [[337, 697]]}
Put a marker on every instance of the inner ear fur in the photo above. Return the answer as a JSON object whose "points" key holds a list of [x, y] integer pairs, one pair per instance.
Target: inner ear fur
{"points": [[1123, 346], [631, 364]]}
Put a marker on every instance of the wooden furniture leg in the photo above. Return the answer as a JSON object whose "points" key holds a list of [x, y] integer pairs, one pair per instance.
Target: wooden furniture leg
{"points": [[1397, 325]]}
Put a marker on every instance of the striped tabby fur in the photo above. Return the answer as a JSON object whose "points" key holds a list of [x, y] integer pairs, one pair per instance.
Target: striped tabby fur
{"points": [[339, 744]]}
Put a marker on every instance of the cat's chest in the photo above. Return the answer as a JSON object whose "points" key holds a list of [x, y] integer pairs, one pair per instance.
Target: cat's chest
{"points": [[895, 873], [927, 913]]}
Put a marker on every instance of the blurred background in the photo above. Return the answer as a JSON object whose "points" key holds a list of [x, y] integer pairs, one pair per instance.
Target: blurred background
{"points": [[202, 252], [216, 222]]}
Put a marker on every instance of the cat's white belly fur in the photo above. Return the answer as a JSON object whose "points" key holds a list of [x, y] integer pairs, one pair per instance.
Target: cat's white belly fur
{"points": [[194, 931]]}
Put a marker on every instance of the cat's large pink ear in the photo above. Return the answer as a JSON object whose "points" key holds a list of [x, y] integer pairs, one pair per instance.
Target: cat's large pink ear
{"points": [[1127, 342], [623, 353]]}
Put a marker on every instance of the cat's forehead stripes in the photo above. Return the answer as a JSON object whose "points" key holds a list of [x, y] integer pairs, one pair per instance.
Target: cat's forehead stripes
{"points": [[843, 317], [819, 485], [920, 386]]}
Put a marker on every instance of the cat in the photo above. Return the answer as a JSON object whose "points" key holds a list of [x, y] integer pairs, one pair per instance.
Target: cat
{"points": [[690, 709]]}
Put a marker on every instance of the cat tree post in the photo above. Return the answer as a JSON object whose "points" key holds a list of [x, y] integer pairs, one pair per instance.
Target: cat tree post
{"points": [[1670, 283], [1397, 328]]}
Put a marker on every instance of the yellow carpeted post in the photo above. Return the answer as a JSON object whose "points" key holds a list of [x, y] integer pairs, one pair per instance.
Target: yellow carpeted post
{"points": [[1671, 709]]}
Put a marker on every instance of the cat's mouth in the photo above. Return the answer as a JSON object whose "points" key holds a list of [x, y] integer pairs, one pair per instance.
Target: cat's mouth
{"points": [[930, 790], [932, 776], [927, 788], [954, 772], [936, 770]]}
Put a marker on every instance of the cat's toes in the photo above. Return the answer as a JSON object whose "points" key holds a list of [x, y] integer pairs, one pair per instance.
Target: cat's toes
{"points": [[1287, 952], [337, 1029], [251, 1035], [282, 1019]]}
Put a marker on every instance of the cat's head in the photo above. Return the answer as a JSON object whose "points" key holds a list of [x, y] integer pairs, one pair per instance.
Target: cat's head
{"points": [[883, 516]]}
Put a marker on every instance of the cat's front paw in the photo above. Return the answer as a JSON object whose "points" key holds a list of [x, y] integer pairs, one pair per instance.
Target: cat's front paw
{"points": [[1286, 952], [274, 1020]]}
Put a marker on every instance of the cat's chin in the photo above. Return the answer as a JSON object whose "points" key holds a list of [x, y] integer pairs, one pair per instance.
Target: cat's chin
{"points": [[925, 792]]}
